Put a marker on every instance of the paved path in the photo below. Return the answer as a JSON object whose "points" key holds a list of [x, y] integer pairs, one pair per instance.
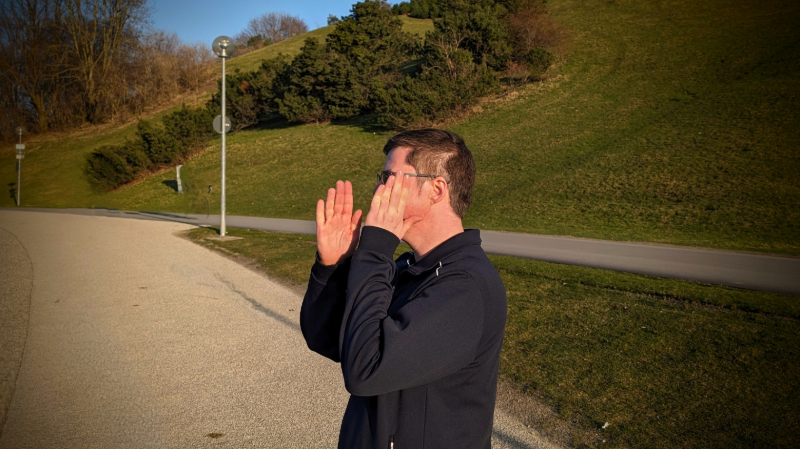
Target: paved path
{"points": [[138, 338], [736, 269]]}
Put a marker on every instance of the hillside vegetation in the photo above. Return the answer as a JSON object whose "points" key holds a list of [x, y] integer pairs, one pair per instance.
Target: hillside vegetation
{"points": [[671, 122]]}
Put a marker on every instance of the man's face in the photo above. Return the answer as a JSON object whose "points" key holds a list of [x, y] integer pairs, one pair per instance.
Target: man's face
{"points": [[396, 162]]}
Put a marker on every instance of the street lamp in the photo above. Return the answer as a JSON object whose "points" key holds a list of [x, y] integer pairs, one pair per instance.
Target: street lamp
{"points": [[20, 157], [223, 47]]}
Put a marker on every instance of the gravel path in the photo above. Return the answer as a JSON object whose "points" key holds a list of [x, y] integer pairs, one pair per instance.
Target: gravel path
{"points": [[138, 338]]}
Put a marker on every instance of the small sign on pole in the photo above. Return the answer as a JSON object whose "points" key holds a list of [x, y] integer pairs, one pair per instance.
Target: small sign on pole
{"points": [[180, 187], [218, 124], [20, 156]]}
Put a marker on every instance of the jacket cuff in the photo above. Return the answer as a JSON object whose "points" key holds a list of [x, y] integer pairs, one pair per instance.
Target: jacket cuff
{"points": [[379, 240], [323, 273]]}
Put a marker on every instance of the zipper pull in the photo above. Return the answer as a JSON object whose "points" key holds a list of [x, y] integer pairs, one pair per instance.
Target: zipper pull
{"points": [[391, 442]]}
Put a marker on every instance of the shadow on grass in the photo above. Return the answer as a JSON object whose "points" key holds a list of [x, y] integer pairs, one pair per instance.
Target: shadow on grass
{"points": [[12, 191], [171, 184], [365, 123]]}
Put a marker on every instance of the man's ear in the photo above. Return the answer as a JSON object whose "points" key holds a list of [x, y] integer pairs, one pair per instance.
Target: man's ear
{"points": [[439, 190]]}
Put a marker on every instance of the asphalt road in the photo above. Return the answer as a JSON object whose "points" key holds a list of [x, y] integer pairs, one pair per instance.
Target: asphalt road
{"points": [[137, 338], [735, 269]]}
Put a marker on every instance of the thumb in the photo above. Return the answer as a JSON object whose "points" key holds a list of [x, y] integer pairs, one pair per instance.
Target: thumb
{"points": [[410, 221]]}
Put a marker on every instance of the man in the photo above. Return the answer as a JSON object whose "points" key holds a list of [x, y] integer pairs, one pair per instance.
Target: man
{"points": [[418, 338]]}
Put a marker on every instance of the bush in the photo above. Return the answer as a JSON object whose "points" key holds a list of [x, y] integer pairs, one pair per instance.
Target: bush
{"points": [[153, 147], [401, 8], [433, 96], [190, 128], [532, 28], [538, 60], [106, 169], [302, 94]]}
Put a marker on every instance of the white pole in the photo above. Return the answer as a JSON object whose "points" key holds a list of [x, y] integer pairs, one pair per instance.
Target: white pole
{"points": [[19, 175], [222, 183]]}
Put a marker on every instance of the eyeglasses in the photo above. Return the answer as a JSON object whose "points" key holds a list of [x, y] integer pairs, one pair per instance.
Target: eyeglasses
{"points": [[384, 176]]}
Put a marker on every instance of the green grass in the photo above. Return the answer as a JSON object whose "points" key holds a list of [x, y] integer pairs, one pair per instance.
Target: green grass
{"points": [[666, 363], [670, 121], [290, 47]]}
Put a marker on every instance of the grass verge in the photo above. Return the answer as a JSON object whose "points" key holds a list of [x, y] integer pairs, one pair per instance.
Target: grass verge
{"points": [[665, 363]]}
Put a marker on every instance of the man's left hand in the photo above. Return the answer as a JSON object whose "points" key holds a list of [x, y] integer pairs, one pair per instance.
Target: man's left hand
{"points": [[389, 205]]}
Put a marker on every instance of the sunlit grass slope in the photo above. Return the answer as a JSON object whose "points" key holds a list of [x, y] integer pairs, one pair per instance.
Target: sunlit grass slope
{"points": [[669, 121]]}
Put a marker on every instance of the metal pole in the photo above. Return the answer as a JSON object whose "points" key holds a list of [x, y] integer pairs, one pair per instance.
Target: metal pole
{"points": [[19, 176], [222, 183]]}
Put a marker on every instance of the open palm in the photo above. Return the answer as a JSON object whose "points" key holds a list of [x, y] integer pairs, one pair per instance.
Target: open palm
{"points": [[338, 228]]}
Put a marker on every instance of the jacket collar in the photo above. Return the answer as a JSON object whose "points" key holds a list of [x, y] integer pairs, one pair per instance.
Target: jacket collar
{"points": [[447, 248]]}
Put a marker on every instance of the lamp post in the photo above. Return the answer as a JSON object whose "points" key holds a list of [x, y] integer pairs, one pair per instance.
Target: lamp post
{"points": [[223, 47], [20, 157]]}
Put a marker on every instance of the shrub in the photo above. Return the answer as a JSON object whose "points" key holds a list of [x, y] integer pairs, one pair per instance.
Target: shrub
{"points": [[433, 96], [532, 28], [153, 147], [158, 144], [538, 60], [302, 94], [401, 8], [190, 128], [106, 169]]}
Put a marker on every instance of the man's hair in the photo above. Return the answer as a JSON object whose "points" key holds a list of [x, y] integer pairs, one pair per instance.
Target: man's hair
{"points": [[440, 153]]}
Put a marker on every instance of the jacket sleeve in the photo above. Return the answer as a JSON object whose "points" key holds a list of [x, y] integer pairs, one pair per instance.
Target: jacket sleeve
{"points": [[323, 305], [435, 334]]}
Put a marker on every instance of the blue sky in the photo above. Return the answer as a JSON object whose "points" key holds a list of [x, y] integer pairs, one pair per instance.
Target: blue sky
{"points": [[203, 20]]}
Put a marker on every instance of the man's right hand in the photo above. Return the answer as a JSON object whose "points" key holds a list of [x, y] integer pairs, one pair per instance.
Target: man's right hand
{"points": [[338, 228]]}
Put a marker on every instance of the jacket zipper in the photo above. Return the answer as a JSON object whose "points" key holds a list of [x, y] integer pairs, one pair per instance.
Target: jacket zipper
{"points": [[391, 442]]}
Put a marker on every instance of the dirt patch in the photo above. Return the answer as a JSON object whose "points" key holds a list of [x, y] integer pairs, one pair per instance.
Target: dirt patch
{"points": [[532, 412]]}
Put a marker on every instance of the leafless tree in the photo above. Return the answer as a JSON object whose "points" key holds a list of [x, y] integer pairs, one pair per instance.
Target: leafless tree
{"points": [[32, 62], [97, 31], [194, 65], [271, 28], [69, 61], [533, 28]]}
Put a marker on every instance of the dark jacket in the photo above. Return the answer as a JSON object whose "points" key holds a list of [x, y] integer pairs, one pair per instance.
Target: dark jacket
{"points": [[418, 341]]}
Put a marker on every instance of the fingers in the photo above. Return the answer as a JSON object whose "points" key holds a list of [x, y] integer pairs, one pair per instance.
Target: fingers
{"points": [[387, 192], [320, 213], [355, 223], [348, 198], [400, 185], [377, 199], [338, 205], [329, 204]]}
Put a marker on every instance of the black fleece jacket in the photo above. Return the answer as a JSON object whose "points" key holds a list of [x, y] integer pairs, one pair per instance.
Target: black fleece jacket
{"points": [[418, 341]]}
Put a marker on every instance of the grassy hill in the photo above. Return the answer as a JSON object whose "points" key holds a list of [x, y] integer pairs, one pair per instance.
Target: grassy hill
{"points": [[671, 122]]}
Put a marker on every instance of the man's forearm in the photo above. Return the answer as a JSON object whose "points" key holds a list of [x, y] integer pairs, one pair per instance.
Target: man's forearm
{"points": [[323, 306]]}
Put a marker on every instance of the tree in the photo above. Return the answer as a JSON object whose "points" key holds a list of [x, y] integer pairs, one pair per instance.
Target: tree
{"points": [[271, 27], [33, 57], [97, 31]]}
